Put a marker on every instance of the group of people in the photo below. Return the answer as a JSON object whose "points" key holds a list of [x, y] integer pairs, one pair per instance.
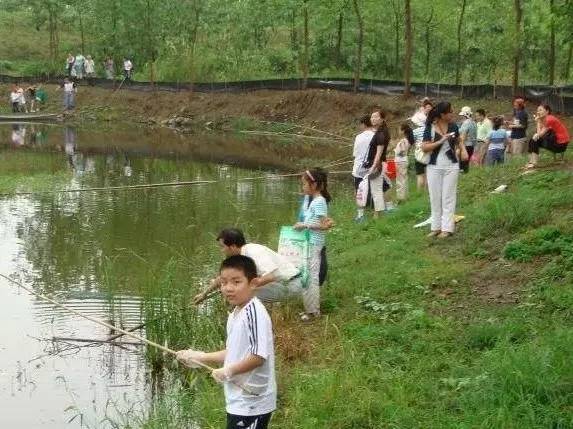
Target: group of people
{"points": [[443, 148], [78, 67], [28, 101], [253, 275]]}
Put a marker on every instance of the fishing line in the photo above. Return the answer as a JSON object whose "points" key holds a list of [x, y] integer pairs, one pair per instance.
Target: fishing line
{"points": [[112, 327]]}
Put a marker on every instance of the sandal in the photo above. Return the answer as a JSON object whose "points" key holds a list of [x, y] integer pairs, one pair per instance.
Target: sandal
{"points": [[529, 166], [433, 234], [309, 317], [445, 234]]}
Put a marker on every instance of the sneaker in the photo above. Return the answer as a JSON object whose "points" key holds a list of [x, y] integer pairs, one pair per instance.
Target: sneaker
{"points": [[445, 234], [433, 234], [360, 219]]}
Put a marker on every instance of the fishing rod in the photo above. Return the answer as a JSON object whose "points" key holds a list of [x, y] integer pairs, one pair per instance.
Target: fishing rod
{"points": [[123, 331], [155, 185]]}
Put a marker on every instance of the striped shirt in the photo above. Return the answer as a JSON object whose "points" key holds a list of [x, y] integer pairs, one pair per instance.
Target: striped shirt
{"points": [[312, 214], [250, 331]]}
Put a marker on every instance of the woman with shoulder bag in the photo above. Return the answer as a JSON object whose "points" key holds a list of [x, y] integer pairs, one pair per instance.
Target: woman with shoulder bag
{"points": [[441, 141]]}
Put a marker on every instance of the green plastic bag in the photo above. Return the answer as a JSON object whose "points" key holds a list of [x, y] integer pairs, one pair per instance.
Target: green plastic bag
{"points": [[294, 246]]}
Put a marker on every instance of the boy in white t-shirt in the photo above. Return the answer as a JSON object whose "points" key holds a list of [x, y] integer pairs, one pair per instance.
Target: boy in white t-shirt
{"points": [[248, 371], [360, 153]]}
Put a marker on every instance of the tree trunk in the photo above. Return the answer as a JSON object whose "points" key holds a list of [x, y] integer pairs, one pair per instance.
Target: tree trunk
{"points": [[338, 52], [517, 5], [427, 40], [82, 36], [360, 41], [396, 38], [552, 43], [567, 70], [306, 46], [293, 32], [150, 44], [459, 53], [408, 47]]}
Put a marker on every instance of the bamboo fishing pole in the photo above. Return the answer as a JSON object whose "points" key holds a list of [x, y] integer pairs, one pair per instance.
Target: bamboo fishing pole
{"points": [[123, 331]]}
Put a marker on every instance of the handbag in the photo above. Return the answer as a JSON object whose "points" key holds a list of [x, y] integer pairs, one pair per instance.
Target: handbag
{"points": [[421, 156]]}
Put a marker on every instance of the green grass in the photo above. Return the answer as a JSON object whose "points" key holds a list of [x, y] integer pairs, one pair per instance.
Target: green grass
{"points": [[394, 350]]}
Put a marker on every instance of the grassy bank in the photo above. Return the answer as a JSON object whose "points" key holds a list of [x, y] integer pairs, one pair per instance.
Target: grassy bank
{"points": [[472, 331]]}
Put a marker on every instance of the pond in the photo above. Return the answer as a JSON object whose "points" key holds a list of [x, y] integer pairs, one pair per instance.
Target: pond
{"points": [[98, 252]]}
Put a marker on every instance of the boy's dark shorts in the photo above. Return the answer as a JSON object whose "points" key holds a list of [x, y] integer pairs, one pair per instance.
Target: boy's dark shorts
{"points": [[248, 422], [420, 168]]}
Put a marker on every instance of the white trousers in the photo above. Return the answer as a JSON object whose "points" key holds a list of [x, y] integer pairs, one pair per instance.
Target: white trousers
{"points": [[443, 189], [402, 180], [377, 192], [311, 295]]}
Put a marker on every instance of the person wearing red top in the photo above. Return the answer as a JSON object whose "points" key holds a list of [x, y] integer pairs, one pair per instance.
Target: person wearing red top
{"points": [[551, 135]]}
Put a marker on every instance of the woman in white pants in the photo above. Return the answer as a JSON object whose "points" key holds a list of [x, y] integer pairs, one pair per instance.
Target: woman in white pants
{"points": [[441, 139]]}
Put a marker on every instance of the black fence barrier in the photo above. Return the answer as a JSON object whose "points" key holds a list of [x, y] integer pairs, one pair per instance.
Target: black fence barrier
{"points": [[560, 98]]}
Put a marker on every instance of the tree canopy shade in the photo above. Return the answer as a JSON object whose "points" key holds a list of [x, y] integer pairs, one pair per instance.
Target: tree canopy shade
{"points": [[447, 41]]}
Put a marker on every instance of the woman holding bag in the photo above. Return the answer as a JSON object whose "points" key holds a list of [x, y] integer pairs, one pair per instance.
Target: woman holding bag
{"points": [[441, 141]]}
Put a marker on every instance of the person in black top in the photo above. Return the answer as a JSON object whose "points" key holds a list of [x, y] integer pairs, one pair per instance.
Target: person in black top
{"points": [[518, 138], [375, 159]]}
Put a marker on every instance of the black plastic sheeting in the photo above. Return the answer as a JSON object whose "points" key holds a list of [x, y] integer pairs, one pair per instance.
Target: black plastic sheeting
{"points": [[560, 98]]}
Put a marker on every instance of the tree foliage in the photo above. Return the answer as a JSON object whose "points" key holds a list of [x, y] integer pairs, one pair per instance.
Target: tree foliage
{"points": [[452, 40]]}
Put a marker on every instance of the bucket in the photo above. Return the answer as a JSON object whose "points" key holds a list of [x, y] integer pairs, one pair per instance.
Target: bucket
{"points": [[391, 169]]}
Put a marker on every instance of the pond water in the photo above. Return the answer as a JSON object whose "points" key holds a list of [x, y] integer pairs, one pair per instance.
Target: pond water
{"points": [[94, 251]]}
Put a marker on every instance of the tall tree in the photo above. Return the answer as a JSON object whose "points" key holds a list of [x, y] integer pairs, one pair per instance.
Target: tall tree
{"points": [[518, 9], [305, 59], [408, 48], [459, 51], [552, 43], [397, 34], [427, 40], [359, 44]]}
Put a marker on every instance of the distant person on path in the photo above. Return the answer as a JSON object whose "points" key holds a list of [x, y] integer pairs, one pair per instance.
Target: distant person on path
{"points": [[551, 135], [79, 66], [401, 160], [248, 359], [127, 69], [277, 280], [468, 136], [441, 140], [484, 127], [31, 90], [15, 99], [375, 160], [70, 64], [315, 220], [90, 69], [360, 152], [41, 97], [419, 125], [23, 107], [497, 143], [70, 90], [109, 68], [518, 127]]}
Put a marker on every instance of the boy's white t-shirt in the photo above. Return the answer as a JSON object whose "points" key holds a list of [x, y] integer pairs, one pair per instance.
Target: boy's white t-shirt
{"points": [[14, 96], [360, 152], [250, 331], [268, 260]]}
